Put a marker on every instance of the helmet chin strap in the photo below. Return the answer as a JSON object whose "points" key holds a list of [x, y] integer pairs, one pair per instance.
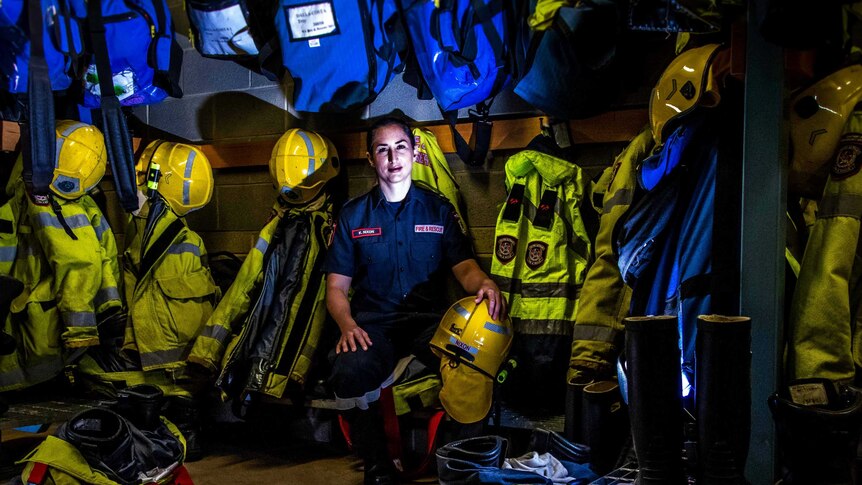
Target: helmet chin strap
{"points": [[158, 208]]}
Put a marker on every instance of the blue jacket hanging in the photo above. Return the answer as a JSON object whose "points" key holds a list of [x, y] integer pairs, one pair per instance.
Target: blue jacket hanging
{"points": [[665, 245]]}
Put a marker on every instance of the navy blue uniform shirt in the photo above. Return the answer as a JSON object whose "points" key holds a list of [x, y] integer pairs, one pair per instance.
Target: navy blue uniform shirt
{"points": [[398, 253]]}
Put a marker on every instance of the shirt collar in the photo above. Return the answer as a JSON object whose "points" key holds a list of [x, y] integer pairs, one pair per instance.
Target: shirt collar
{"points": [[377, 195]]}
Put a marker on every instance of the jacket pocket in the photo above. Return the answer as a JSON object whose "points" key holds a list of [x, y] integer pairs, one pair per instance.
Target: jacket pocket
{"points": [[188, 302]]}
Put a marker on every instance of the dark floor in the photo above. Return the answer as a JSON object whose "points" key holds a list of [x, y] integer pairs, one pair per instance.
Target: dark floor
{"points": [[282, 446], [296, 463], [275, 444]]}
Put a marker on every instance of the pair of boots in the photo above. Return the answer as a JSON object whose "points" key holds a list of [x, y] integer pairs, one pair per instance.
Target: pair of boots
{"points": [[596, 416], [722, 398]]}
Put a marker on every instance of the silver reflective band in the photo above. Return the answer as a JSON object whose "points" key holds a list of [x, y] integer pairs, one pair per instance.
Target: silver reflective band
{"points": [[166, 356], [187, 183], [215, 332], [79, 319], [181, 248], [461, 311], [107, 294], [74, 222], [497, 328]]}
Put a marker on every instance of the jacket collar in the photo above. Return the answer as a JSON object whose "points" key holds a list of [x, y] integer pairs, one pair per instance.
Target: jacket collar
{"points": [[377, 196]]}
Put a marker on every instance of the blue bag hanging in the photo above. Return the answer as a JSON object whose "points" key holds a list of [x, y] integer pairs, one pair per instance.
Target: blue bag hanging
{"points": [[135, 61], [41, 45], [340, 53], [144, 57], [237, 30], [569, 69], [62, 41], [461, 48]]}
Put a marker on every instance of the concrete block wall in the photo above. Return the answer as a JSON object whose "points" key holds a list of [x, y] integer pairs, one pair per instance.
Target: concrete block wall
{"points": [[242, 199]]}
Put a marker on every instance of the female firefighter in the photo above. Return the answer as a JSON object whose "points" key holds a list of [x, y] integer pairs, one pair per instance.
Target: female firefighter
{"points": [[393, 246]]}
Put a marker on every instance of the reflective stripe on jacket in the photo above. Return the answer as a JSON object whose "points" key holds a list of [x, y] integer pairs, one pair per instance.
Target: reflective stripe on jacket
{"points": [[823, 338], [665, 242], [279, 330], [541, 244], [171, 302], [209, 347], [68, 283], [605, 297]]}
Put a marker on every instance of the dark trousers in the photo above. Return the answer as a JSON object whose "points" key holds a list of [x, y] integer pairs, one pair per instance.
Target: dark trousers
{"points": [[358, 376]]}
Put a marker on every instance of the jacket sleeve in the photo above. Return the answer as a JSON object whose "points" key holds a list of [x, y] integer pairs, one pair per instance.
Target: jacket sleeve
{"points": [[108, 299], [605, 298], [74, 253], [210, 345]]}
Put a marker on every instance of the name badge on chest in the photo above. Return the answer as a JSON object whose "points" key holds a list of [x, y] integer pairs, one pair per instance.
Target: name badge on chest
{"points": [[365, 232]]}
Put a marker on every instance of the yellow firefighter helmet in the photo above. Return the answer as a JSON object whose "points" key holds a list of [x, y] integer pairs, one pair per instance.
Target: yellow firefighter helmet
{"points": [[81, 159], [686, 83], [471, 346], [180, 173], [468, 333], [301, 163], [817, 118]]}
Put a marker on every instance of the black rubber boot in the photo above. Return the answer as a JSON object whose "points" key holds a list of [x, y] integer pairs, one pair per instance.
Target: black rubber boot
{"points": [[723, 398], [572, 428], [463, 431], [605, 424], [185, 414], [10, 288], [104, 440], [655, 398], [818, 441], [458, 461], [369, 439], [142, 405], [545, 441]]}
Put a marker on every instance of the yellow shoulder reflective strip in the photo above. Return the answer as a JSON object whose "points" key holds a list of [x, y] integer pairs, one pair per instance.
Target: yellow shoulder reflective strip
{"points": [[620, 197], [150, 359], [79, 319], [106, 294], [7, 253], [46, 219], [261, 245], [181, 248], [215, 332], [102, 227], [846, 205]]}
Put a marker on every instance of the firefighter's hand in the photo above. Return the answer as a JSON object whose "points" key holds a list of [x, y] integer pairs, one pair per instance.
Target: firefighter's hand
{"points": [[351, 338], [496, 302]]}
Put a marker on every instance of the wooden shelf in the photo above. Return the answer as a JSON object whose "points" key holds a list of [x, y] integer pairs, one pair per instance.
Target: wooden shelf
{"points": [[610, 127]]}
